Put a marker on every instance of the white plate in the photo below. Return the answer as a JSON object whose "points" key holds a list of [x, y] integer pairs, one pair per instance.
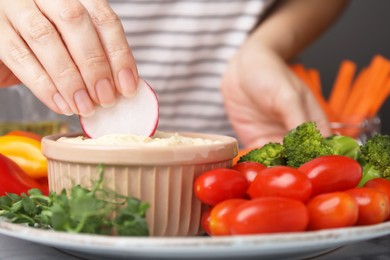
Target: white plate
{"points": [[286, 245]]}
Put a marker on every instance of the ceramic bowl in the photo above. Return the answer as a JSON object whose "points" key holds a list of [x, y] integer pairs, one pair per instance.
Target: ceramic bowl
{"points": [[163, 176]]}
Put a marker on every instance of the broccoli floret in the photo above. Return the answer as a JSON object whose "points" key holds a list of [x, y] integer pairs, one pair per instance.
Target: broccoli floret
{"points": [[375, 158], [344, 145], [270, 154], [304, 143]]}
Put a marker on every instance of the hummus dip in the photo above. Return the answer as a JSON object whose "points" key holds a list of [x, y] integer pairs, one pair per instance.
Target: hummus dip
{"points": [[158, 139]]}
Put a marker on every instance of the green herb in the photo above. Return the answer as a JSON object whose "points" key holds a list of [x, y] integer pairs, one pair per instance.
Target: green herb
{"points": [[95, 210]]}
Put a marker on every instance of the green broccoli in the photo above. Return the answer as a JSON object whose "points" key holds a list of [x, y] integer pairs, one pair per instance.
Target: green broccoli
{"points": [[270, 154], [375, 158], [304, 143], [344, 145]]}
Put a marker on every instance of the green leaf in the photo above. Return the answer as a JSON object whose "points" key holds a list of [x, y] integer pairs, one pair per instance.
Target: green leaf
{"points": [[131, 219], [59, 218], [82, 211], [14, 197], [17, 206], [34, 192], [28, 205], [5, 202]]}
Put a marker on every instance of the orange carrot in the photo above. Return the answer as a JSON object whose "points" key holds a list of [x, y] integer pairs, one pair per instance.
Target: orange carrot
{"points": [[342, 85], [364, 98], [241, 152], [300, 71], [381, 98], [313, 84], [352, 99], [347, 118], [380, 72], [324, 105], [356, 93]]}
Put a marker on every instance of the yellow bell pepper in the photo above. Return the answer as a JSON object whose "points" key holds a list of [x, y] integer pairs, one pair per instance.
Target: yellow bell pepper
{"points": [[26, 152]]}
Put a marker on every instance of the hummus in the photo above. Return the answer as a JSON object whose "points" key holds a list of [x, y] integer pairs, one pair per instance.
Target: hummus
{"points": [[158, 139]]}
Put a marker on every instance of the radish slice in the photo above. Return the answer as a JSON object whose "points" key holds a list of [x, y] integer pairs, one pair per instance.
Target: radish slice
{"points": [[137, 115]]}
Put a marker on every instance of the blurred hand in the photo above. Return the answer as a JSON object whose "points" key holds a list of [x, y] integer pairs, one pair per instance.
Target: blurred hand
{"points": [[72, 54], [264, 99]]}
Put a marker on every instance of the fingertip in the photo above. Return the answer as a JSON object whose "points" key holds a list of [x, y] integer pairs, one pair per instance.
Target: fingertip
{"points": [[84, 104], [127, 83], [105, 93], [62, 106]]}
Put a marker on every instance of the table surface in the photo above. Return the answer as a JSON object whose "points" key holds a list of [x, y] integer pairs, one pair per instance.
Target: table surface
{"points": [[16, 249]]}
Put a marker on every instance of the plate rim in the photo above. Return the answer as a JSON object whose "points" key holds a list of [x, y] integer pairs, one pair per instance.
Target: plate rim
{"points": [[259, 244]]}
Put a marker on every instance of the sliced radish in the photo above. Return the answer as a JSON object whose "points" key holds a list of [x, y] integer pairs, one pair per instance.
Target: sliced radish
{"points": [[137, 115]]}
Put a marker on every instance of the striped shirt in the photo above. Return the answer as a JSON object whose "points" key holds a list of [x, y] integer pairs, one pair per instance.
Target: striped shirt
{"points": [[181, 48]]}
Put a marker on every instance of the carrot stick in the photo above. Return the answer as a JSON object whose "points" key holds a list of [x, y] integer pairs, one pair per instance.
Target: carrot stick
{"points": [[380, 72], [342, 85], [300, 71], [365, 93], [356, 93], [350, 124], [314, 86], [381, 98]]}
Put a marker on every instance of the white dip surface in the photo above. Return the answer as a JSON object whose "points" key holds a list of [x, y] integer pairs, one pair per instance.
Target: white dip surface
{"points": [[158, 139]]}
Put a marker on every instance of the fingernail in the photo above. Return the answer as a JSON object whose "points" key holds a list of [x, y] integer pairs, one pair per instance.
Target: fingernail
{"points": [[105, 93], [127, 83], [84, 103], [62, 105]]}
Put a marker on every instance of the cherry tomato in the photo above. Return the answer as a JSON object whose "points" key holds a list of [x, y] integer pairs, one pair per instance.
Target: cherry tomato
{"points": [[220, 184], [249, 169], [205, 221], [380, 184], [281, 181], [332, 210], [332, 173], [373, 205], [219, 216], [269, 215]]}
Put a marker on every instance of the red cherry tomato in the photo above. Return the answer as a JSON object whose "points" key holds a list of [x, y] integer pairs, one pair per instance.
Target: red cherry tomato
{"points": [[332, 173], [219, 216], [332, 210], [281, 181], [373, 205], [380, 184], [205, 221], [220, 184], [249, 169], [269, 215]]}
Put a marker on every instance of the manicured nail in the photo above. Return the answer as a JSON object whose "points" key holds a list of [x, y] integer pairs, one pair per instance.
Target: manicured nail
{"points": [[84, 103], [105, 93], [127, 83], [62, 105]]}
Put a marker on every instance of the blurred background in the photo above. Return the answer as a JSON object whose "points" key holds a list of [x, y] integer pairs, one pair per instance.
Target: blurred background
{"points": [[358, 35]]}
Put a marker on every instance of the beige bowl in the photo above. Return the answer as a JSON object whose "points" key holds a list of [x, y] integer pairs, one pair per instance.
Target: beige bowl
{"points": [[161, 176]]}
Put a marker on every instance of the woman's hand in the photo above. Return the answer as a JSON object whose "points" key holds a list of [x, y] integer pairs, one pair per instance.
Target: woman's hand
{"points": [[264, 99], [72, 54]]}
